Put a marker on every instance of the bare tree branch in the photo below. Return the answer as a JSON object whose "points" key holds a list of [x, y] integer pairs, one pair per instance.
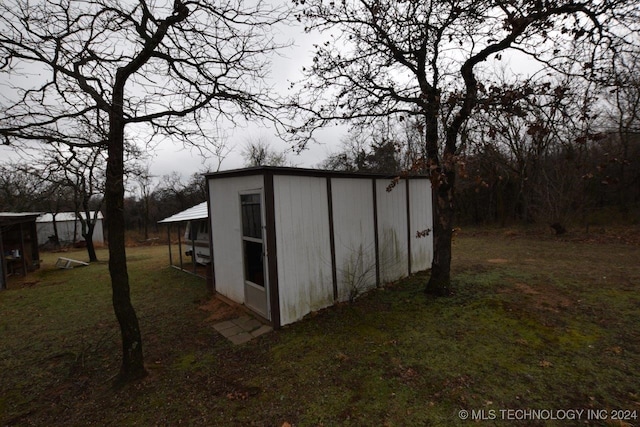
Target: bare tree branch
{"points": [[428, 59]]}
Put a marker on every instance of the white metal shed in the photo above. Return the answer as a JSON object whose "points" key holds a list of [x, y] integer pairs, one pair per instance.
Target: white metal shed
{"points": [[69, 227], [290, 241]]}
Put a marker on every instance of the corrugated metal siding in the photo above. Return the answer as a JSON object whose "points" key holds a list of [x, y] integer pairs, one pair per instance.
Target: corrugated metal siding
{"points": [[421, 219], [303, 241], [354, 231], [66, 231], [304, 253], [198, 211], [66, 216], [392, 230], [226, 232]]}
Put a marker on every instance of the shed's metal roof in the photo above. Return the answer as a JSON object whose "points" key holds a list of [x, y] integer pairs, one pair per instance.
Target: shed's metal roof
{"points": [[18, 214], [283, 170], [195, 212], [66, 216], [9, 218]]}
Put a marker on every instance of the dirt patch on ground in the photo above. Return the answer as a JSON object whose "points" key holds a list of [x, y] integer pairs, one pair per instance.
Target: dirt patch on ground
{"points": [[626, 235], [602, 235], [542, 297], [220, 310], [497, 261]]}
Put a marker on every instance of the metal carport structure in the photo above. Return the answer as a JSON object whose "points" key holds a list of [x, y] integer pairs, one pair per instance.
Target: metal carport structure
{"points": [[194, 213]]}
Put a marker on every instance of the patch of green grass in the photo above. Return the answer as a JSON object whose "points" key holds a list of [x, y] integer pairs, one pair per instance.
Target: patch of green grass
{"points": [[532, 324]]}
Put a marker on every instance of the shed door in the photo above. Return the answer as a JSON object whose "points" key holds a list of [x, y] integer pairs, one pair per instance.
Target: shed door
{"points": [[255, 282]]}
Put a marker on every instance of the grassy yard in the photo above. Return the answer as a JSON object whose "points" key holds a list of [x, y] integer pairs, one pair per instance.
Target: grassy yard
{"points": [[534, 324]]}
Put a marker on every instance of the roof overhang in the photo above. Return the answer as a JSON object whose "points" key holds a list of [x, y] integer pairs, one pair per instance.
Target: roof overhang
{"points": [[278, 170], [10, 218], [199, 211]]}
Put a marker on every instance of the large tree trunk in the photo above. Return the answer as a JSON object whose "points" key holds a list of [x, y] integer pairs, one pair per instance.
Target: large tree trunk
{"points": [[88, 226], [132, 358], [55, 231], [442, 182], [88, 238], [443, 209]]}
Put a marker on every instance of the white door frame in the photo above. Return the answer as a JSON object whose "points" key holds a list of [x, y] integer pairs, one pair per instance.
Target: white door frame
{"points": [[256, 297]]}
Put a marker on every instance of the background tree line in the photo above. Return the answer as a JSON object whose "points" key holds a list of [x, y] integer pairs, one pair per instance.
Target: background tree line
{"points": [[562, 155], [521, 175], [513, 169], [35, 188]]}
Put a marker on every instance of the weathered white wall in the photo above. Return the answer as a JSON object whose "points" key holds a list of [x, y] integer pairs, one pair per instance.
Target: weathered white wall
{"points": [[302, 241], [226, 232], [65, 232], [303, 236], [421, 219], [392, 230], [354, 231]]}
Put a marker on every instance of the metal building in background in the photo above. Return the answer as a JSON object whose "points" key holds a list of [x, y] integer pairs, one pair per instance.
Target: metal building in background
{"points": [[193, 243]]}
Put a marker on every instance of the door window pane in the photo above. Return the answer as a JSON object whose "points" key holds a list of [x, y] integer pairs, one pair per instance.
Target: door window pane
{"points": [[251, 219], [253, 263]]}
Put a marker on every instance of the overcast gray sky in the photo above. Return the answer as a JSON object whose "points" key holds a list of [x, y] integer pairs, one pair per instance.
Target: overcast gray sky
{"points": [[286, 68], [168, 157]]}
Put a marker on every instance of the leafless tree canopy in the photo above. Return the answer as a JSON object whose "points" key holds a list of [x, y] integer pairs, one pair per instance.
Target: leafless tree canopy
{"points": [[188, 67], [258, 152], [177, 68], [435, 59], [387, 57]]}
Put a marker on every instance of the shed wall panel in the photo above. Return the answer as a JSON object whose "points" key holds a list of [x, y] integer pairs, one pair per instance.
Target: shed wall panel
{"points": [[303, 245], [66, 232], [226, 232], [392, 230], [98, 233], [354, 230], [421, 220]]}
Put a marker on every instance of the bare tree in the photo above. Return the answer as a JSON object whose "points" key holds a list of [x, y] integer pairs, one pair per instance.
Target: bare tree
{"points": [[19, 189], [76, 173], [367, 152], [542, 134], [258, 152], [431, 60], [623, 122], [145, 185], [389, 146], [177, 68]]}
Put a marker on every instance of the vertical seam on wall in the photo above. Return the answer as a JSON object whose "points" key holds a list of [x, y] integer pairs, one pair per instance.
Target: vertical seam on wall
{"points": [[375, 227], [272, 257], [332, 241], [408, 227]]}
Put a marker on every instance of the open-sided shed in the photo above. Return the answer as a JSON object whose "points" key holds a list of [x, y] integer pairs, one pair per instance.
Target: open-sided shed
{"points": [[290, 241], [194, 243], [18, 244]]}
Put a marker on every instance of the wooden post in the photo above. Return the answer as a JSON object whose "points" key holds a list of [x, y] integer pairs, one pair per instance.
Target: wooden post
{"points": [[22, 252], [192, 223], [169, 240], [180, 247], [35, 251], [3, 266]]}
